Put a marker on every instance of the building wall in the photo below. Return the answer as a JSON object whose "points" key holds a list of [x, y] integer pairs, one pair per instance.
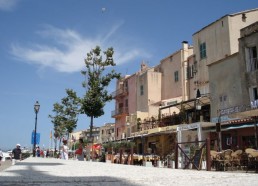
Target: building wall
{"points": [[150, 81], [225, 85], [107, 132], [236, 23], [249, 79], [186, 51], [191, 87], [132, 100], [169, 66], [77, 135]]}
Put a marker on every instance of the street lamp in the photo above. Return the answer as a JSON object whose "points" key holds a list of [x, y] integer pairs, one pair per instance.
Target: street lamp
{"points": [[197, 104], [36, 109]]}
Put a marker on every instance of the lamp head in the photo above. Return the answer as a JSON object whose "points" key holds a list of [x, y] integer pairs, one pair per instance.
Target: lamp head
{"points": [[36, 107]]}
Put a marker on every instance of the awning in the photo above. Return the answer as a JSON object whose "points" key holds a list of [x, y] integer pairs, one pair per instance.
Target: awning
{"points": [[230, 127], [240, 127], [154, 131], [190, 104], [245, 114], [195, 126]]}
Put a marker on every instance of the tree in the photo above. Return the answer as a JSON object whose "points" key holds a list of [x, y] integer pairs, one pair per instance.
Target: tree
{"points": [[65, 119], [96, 96]]}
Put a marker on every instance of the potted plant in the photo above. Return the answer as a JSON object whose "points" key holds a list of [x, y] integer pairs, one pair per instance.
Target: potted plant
{"points": [[170, 158]]}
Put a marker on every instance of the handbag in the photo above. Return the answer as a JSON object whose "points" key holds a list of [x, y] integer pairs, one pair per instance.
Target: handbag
{"points": [[78, 151]]}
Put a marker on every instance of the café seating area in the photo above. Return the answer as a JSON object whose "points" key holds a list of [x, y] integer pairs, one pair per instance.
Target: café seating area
{"points": [[138, 159], [228, 159]]}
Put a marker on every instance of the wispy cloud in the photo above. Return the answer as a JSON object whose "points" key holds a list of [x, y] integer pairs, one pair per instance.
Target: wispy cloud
{"points": [[66, 49], [8, 4]]}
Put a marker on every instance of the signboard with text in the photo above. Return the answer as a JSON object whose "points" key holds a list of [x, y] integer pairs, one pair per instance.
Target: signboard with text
{"points": [[37, 138]]}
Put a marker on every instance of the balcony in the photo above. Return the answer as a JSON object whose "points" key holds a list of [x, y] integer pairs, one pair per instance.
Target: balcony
{"points": [[120, 92], [120, 111]]}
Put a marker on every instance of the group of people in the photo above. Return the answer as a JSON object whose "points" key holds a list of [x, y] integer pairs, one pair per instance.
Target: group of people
{"points": [[17, 153], [79, 152], [42, 153]]}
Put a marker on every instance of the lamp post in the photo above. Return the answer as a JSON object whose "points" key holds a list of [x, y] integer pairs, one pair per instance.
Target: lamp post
{"points": [[255, 132], [197, 104], [218, 130], [36, 109]]}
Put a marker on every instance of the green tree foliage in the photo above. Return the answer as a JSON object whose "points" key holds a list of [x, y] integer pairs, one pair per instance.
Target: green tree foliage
{"points": [[65, 118], [96, 83]]}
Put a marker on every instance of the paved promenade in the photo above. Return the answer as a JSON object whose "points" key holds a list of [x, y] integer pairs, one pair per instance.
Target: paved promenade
{"points": [[5, 164], [44, 172]]}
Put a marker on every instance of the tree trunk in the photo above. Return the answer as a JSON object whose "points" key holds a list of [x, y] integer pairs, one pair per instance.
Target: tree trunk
{"points": [[91, 127]]}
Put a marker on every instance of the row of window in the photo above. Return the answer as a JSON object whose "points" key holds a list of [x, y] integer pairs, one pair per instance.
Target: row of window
{"points": [[252, 64]]}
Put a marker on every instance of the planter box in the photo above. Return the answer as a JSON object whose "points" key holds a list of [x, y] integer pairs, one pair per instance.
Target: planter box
{"points": [[108, 161], [172, 164], [160, 164], [147, 164], [203, 165]]}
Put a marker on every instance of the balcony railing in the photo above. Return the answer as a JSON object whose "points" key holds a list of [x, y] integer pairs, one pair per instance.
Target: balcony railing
{"points": [[120, 92], [119, 111]]}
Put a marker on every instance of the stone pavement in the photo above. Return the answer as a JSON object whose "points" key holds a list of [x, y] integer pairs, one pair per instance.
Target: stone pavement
{"points": [[44, 172], [5, 164]]}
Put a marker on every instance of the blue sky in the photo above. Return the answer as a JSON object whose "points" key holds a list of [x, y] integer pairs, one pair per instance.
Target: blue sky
{"points": [[43, 45]]}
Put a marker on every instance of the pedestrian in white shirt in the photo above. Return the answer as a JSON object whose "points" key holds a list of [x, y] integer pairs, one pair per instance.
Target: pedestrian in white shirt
{"points": [[65, 149]]}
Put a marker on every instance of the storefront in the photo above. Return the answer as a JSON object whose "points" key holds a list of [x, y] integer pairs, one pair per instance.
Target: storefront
{"points": [[157, 141], [234, 135]]}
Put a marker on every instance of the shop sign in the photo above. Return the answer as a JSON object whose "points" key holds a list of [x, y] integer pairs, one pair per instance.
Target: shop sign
{"points": [[188, 127], [139, 133]]}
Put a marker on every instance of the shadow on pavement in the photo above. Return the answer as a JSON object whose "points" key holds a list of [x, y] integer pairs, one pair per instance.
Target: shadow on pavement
{"points": [[37, 164], [31, 176]]}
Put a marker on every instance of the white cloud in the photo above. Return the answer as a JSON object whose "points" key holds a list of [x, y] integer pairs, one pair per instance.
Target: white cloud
{"points": [[66, 50], [8, 4]]}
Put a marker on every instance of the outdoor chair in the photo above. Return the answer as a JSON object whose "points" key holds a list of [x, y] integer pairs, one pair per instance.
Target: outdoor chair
{"points": [[244, 161], [214, 158], [224, 161], [236, 158], [228, 158], [252, 160], [249, 150]]}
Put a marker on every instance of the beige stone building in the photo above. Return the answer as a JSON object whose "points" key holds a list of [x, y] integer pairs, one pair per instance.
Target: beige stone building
{"points": [[172, 87], [248, 49], [233, 84], [225, 85], [216, 41], [175, 84], [107, 133]]}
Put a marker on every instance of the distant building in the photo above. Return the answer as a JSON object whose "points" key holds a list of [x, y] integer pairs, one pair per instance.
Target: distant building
{"points": [[95, 135], [107, 133]]}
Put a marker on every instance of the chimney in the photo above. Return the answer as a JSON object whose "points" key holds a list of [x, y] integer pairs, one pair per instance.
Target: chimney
{"points": [[185, 45]]}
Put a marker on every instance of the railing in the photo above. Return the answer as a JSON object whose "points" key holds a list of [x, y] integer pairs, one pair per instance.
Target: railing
{"points": [[119, 111], [120, 91], [195, 159]]}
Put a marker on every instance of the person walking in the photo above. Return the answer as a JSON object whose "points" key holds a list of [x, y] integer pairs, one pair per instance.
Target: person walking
{"points": [[1, 156], [79, 151], [65, 150], [16, 154], [37, 151]]}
